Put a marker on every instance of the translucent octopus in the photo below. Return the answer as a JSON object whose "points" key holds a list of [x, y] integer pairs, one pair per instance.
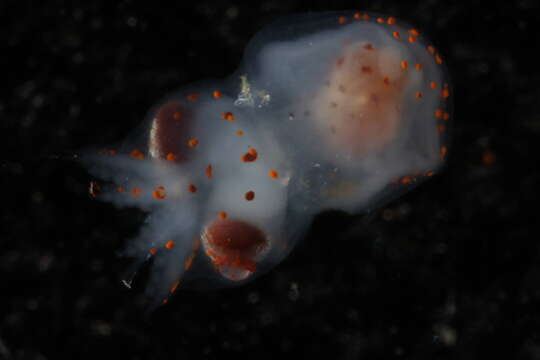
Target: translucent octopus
{"points": [[328, 111]]}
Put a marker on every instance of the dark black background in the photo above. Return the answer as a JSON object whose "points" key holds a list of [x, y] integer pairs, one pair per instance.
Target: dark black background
{"points": [[448, 271]]}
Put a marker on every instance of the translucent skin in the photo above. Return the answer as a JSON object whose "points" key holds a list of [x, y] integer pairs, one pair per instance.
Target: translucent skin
{"points": [[328, 111]]}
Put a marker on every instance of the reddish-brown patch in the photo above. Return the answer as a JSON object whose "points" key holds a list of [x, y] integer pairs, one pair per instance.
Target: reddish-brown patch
{"points": [[171, 126], [234, 243], [249, 156], [250, 195]]}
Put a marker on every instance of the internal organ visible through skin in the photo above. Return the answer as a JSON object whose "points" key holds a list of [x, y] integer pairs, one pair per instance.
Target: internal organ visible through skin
{"points": [[234, 247], [359, 108]]}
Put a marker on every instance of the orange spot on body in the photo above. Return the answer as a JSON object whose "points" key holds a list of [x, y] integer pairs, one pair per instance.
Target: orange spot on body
{"points": [[137, 154], [228, 116], [192, 188], [216, 94], [396, 35], [121, 189], [136, 192], [159, 193], [250, 195], [193, 97], [193, 142], [169, 244], [412, 39], [249, 156], [380, 20], [438, 59], [406, 180], [209, 171], [170, 157], [175, 287], [446, 116], [404, 64], [414, 32], [153, 251], [445, 93], [357, 16], [222, 215], [342, 19], [438, 113], [273, 174], [239, 132], [433, 85], [431, 49], [418, 95], [418, 66], [391, 20]]}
